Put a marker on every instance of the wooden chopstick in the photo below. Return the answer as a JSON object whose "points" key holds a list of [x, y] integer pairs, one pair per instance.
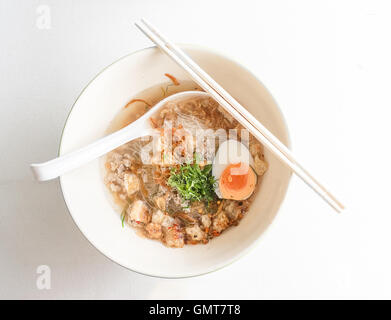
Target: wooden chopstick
{"points": [[237, 111]]}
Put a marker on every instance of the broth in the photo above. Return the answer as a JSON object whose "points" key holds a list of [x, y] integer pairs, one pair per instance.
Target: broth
{"points": [[158, 199]]}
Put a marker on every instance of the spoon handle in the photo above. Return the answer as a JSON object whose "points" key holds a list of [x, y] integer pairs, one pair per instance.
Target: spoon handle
{"points": [[58, 166]]}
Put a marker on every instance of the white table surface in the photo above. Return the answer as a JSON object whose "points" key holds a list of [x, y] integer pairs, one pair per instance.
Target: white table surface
{"points": [[327, 63]]}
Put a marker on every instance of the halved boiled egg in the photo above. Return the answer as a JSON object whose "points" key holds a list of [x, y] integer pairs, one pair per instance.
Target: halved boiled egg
{"points": [[232, 169]]}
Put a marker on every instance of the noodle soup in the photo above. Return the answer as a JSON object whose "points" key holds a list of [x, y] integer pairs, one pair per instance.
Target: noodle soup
{"points": [[179, 199]]}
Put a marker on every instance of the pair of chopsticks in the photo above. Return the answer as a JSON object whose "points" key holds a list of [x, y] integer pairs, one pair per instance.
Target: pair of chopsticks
{"points": [[236, 110]]}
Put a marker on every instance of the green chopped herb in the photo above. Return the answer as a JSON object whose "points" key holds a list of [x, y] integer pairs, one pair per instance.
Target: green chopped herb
{"points": [[197, 157], [123, 218], [193, 183], [123, 213]]}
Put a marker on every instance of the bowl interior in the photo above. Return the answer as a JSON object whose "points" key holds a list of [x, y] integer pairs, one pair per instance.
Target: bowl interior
{"points": [[86, 195]]}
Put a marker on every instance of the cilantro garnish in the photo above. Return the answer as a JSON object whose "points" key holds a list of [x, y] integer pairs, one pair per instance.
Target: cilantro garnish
{"points": [[193, 183]]}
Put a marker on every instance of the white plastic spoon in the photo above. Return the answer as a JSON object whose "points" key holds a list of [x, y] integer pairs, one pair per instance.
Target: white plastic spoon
{"points": [[139, 128]]}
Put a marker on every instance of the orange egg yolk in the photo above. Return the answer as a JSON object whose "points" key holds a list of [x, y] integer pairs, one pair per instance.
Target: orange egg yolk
{"points": [[235, 176]]}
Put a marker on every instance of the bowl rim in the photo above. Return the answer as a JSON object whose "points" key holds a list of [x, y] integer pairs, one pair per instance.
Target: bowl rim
{"points": [[243, 252]]}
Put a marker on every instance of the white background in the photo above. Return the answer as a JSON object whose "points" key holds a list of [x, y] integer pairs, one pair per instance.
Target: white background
{"points": [[327, 63]]}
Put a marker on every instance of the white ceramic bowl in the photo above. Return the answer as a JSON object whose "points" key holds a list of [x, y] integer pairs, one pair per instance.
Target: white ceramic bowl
{"points": [[86, 196]]}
